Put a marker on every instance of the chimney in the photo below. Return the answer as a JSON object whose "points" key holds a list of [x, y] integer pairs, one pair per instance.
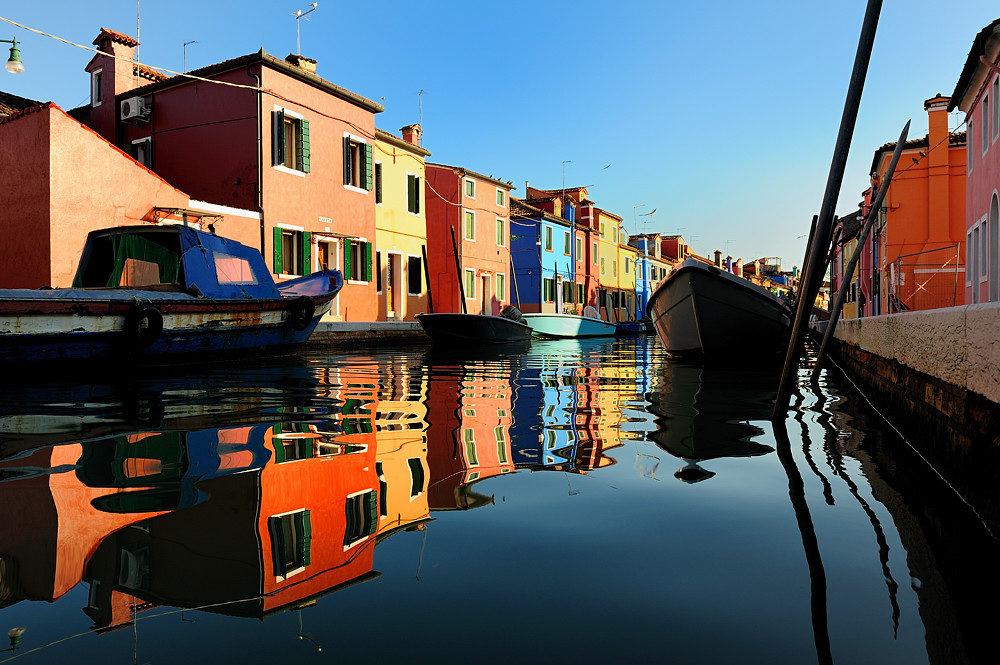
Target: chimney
{"points": [[302, 62], [718, 259], [111, 73], [938, 178], [411, 134]]}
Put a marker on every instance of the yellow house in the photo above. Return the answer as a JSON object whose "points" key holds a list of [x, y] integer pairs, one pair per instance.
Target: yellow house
{"points": [[609, 262], [400, 225], [627, 256]]}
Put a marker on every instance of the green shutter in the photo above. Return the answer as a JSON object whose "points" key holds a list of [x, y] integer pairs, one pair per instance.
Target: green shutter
{"points": [[306, 252], [277, 252], [277, 544], [305, 546], [367, 179], [303, 147], [368, 262], [278, 138], [372, 513], [348, 268], [347, 160]]}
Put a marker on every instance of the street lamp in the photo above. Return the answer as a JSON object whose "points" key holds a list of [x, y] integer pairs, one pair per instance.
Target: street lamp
{"points": [[14, 64]]}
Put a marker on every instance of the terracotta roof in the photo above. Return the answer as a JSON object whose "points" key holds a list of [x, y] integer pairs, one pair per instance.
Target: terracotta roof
{"points": [[10, 104], [267, 60], [392, 139], [115, 37], [149, 74], [955, 139], [980, 45]]}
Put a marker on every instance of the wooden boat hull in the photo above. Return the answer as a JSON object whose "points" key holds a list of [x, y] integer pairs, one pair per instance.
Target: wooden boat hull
{"points": [[466, 329], [567, 325], [702, 310]]}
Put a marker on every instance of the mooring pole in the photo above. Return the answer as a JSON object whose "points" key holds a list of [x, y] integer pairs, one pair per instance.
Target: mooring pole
{"points": [[824, 225], [458, 272], [853, 263]]}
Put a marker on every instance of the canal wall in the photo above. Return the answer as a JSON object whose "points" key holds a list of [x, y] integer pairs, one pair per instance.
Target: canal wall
{"points": [[936, 376], [339, 333]]}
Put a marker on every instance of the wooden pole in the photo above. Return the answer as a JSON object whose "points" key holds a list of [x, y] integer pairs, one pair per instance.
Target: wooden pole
{"points": [[427, 277], [458, 272], [824, 225]]}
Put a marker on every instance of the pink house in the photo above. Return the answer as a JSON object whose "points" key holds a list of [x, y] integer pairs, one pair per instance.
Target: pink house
{"points": [[977, 93], [260, 138]]}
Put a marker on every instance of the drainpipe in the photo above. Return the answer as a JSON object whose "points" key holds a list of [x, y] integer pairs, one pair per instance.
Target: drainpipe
{"points": [[260, 165]]}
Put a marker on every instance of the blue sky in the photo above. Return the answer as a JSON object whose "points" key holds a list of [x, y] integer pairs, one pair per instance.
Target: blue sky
{"points": [[721, 116]]}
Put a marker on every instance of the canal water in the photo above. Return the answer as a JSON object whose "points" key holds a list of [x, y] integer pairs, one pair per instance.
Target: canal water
{"points": [[571, 501]]}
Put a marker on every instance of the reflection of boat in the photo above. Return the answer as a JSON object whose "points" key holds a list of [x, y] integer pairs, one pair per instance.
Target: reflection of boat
{"points": [[147, 291], [702, 309], [568, 325], [456, 328], [705, 413]]}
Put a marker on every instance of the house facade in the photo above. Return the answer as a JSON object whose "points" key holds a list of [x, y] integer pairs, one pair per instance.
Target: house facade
{"points": [[470, 213], [400, 225], [261, 134], [977, 94]]}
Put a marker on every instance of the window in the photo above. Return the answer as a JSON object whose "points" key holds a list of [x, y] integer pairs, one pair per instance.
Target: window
{"points": [[602, 229], [469, 438], [233, 270], [628, 269], [567, 292], [291, 141], [549, 289], [579, 293], [416, 476], [567, 244], [291, 542], [501, 287], [470, 225], [292, 251], [357, 163], [996, 108], [378, 271], [548, 238], [614, 267], [501, 232], [968, 258], [984, 252], [501, 444], [593, 251], [985, 123], [470, 284], [470, 188], [602, 265], [412, 194], [579, 249], [414, 268], [501, 197], [378, 183], [142, 151], [357, 260], [361, 510], [969, 133], [96, 79]]}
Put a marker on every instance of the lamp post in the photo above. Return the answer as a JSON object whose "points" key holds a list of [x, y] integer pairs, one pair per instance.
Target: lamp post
{"points": [[299, 14], [186, 54], [14, 64]]}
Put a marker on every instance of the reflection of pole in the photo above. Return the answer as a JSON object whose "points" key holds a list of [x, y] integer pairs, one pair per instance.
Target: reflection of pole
{"points": [[824, 227], [458, 271], [852, 264], [817, 575]]}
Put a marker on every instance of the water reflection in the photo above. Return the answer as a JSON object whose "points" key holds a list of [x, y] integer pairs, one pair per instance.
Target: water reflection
{"points": [[258, 490]]}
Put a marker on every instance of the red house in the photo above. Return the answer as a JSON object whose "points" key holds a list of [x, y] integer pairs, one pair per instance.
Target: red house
{"points": [[257, 137]]}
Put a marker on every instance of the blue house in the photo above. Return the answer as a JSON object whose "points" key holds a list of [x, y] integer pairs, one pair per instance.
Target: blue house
{"points": [[543, 254]]}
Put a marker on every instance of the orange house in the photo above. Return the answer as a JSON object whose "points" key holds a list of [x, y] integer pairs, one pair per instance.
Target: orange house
{"points": [[913, 257]]}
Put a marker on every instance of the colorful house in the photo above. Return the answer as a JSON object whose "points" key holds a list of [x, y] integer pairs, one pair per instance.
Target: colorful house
{"points": [[650, 267], [542, 251], [260, 134], [977, 94], [912, 259], [400, 225], [470, 213]]}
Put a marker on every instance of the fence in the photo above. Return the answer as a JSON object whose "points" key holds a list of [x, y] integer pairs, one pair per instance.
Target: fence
{"points": [[926, 280]]}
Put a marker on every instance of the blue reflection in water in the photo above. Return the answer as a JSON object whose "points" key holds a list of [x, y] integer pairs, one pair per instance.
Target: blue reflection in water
{"points": [[586, 500]]}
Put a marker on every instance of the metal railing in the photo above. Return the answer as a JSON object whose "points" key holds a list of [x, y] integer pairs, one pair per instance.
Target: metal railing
{"points": [[926, 280]]}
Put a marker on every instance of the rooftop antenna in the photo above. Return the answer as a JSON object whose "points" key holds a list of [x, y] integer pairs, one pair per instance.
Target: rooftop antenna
{"points": [[135, 55], [186, 54], [420, 108], [299, 14]]}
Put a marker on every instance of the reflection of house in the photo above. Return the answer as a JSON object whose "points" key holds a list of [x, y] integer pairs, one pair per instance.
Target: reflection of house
{"points": [[468, 212], [468, 434]]}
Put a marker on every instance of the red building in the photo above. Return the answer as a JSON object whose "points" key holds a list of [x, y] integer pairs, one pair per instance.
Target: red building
{"points": [[977, 93], [257, 137], [470, 212]]}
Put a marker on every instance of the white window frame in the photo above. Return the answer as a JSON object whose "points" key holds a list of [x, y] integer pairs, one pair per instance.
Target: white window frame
{"points": [[421, 259], [567, 240], [498, 278], [501, 198], [984, 116], [969, 142], [148, 140], [465, 224], [984, 249], [470, 278], [333, 251], [377, 182], [547, 238], [969, 249], [289, 227], [281, 167], [96, 95], [465, 188], [996, 108], [502, 239], [596, 254], [420, 198], [355, 188]]}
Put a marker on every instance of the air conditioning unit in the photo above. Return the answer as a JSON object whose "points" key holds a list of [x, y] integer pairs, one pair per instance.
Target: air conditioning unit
{"points": [[134, 109]]}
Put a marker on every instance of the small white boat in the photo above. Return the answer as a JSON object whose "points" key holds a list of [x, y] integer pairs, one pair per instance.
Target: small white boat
{"points": [[703, 310], [568, 325]]}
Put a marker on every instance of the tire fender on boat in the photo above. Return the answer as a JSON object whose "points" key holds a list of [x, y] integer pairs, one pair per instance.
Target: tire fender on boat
{"points": [[143, 325], [301, 312]]}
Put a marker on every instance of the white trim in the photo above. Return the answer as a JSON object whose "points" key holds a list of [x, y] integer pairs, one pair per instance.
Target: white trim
{"points": [[285, 169], [506, 230], [290, 227], [94, 87], [222, 210], [375, 183], [420, 199], [465, 276], [466, 195], [421, 259], [502, 192], [466, 211], [290, 113]]}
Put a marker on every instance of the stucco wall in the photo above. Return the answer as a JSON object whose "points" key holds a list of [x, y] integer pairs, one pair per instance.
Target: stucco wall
{"points": [[959, 345]]}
